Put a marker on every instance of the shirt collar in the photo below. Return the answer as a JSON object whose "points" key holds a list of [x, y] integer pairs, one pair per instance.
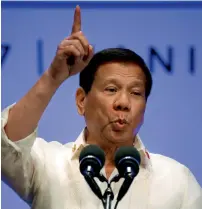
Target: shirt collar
{"points": [[80, 143]]}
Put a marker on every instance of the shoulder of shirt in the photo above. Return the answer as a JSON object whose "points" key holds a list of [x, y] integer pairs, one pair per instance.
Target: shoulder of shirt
{"points": [[167, 165], [169, 173], [41, 145]]}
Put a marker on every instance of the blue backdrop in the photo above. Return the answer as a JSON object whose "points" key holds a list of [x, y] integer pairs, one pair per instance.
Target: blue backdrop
{"points": [[166, 35]]}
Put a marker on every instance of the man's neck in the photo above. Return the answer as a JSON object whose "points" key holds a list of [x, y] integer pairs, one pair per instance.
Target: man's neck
{"points": [[109, 150], [109, 159]]}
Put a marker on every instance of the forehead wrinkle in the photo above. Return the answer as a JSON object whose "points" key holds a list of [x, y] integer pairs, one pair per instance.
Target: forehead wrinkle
{"points": [[110, 70]]}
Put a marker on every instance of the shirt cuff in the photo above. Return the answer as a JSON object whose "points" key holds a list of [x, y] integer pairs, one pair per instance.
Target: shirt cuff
{"points": [[25, 143]]}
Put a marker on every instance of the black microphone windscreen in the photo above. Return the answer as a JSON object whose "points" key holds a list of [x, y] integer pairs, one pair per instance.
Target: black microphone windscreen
{"points": [[123, 153], [93, 150]]}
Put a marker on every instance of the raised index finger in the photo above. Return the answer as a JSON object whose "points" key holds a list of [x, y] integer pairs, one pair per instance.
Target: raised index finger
{"points": [[76, 27]]}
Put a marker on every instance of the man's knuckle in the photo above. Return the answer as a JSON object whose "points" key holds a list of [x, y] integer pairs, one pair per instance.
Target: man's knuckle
{"points": [[71, 47], [86, 45], [77, 42]]}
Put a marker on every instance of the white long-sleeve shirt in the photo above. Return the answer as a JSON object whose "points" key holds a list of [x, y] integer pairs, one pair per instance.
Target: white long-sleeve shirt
{"points": [[47, 176]]}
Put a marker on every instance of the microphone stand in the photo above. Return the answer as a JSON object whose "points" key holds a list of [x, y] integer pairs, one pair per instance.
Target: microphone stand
{"points": [[108, 197]]}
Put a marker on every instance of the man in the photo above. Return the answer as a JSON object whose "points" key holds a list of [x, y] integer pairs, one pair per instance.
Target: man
{"points": [[114, 87]]}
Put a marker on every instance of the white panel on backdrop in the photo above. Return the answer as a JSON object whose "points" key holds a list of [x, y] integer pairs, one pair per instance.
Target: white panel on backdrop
{"points": [[173, 120]]}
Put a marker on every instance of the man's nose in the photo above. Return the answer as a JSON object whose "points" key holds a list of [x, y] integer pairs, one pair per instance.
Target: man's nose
{"points": [[122, 102]]}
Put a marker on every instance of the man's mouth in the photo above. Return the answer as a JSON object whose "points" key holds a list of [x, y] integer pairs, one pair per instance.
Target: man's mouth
{"points": [[119, 125]]}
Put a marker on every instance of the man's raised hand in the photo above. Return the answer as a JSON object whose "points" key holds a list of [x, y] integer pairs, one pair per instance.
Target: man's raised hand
{"points": [[73, 53]]}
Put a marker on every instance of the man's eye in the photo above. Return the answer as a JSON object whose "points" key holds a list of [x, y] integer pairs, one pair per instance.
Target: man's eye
{"points": [[136, 93], [111, 89]]}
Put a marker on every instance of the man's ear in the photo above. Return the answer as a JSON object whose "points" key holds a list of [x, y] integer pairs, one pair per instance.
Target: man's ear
{"points": [[80, 101]]}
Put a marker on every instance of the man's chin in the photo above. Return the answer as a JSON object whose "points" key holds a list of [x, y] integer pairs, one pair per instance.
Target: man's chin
{"points": [[118, 137]]}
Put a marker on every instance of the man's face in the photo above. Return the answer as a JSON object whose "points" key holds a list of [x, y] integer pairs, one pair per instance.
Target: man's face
{"points": [[114, 108]]}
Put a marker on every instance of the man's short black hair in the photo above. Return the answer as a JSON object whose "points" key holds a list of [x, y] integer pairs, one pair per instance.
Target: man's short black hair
{"points": [[121, 55]]}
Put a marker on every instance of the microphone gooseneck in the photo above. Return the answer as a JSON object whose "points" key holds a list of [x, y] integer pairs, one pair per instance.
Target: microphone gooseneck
{"points": [[92, 159], [127, 161]]}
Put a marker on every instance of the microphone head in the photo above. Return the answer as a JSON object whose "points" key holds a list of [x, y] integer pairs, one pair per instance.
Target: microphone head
{"points": [[93, 156], [127, 157]]}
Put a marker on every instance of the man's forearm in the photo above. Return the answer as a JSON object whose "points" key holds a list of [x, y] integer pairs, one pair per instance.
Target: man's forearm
{"points": [[25, 114]]}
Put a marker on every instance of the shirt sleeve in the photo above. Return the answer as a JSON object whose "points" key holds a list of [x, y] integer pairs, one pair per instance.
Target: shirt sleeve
{"points": [[192, 193], [17, 164]]}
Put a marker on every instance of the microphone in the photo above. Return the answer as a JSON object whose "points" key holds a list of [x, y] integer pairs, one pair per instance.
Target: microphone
{"points": [[92, 159], [127, 161]]}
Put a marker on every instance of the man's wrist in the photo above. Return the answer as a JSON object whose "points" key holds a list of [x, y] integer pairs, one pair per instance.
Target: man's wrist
{"points": [[52, 80]]}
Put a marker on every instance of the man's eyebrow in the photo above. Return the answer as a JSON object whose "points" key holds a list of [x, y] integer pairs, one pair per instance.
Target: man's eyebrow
{"points": [[135, 83]]}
